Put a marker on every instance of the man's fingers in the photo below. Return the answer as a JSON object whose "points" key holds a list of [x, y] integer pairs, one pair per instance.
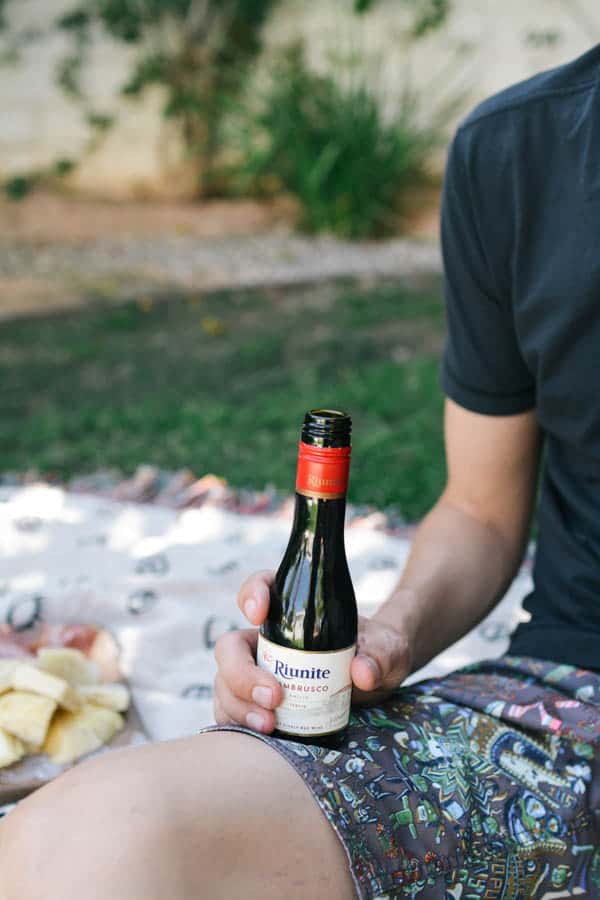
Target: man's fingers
{"points": [[235, 654], [370, 685], [221, 717], [382, 659], [253, 597], [229, 708], [366, 673]]}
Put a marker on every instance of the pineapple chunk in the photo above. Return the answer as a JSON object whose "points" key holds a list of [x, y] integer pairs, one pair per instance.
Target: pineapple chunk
{"points": [[7, 668], [111, 696], [28, 678], [26, 716], [11, 749], [73, 735], [70, 664]]}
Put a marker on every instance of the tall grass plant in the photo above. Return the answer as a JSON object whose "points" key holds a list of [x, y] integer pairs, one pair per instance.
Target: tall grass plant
{"points": [[324, 139]]}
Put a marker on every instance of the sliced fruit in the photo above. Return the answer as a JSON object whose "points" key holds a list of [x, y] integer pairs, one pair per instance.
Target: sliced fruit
{"points": [[111, 696], [72, 665], [26, 716], [73, 735], [28, 678], [11, 749], [7, 668]]}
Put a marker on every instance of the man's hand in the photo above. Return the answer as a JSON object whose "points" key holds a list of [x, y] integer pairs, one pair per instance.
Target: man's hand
{"points": [[247, 695]]}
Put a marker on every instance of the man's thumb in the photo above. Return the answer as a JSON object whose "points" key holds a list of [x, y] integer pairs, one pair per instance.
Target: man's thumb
{"points": [[383, 658], [366, 672]]}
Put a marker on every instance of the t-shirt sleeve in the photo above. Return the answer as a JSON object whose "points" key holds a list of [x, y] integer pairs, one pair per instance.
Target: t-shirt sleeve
{"points": [[482, 368]]}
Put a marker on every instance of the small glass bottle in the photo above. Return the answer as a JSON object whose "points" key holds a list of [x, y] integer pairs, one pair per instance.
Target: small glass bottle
{"points": [[309, 637]]}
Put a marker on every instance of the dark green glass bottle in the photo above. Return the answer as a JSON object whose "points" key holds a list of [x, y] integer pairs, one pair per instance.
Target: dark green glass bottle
{"points": [[309, 637]]}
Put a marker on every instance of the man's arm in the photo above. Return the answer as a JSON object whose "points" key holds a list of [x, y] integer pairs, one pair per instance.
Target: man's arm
{"points": [[469, 547], [463, 558]]}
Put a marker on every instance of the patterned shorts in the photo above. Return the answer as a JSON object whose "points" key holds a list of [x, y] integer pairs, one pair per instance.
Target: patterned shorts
{"points": [[481, 784]]}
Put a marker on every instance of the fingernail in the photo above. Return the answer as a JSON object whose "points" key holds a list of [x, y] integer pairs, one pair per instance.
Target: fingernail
{"points": [[254, 721], [251, 608], [263, 696], [372, 665]]}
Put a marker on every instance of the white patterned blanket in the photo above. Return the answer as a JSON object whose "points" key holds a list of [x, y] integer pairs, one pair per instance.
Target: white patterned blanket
{"points": [[164, 581]]}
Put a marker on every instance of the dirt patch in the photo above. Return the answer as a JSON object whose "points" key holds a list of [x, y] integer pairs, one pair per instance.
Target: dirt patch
{"points": [[21, 296], [58, 251], [55, 219]]}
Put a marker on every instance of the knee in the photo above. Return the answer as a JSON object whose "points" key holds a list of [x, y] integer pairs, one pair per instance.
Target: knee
{"points": [[26, 835], [83, 824]]}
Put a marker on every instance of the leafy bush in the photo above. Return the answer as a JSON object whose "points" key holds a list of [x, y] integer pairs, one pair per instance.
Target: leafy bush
{"points": [[330, 147], [199, 52], [428, 14], [18, 187]]}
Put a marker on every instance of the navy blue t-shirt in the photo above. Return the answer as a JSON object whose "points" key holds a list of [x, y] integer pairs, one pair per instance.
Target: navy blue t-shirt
{"points": [[521, 245]]}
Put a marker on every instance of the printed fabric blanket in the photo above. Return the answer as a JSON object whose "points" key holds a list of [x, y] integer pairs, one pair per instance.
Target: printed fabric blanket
{"points": [[162, 576]]}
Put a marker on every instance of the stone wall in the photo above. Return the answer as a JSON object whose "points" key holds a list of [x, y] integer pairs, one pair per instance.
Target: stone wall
{"points": [[483, 48]]}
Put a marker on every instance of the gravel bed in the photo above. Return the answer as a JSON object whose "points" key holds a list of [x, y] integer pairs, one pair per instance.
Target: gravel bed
{"points": [[193, 263]]}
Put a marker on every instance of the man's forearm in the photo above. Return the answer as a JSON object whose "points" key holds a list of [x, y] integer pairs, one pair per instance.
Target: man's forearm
{"points": [[458, 568]]}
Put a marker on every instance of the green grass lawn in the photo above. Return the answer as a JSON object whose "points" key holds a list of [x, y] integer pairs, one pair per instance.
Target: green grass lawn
{"points": [[220, 383]]}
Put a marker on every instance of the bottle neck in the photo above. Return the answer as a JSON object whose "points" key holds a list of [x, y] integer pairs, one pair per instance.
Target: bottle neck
{"points": [[321, 484], [318, 519], [322, 472]]}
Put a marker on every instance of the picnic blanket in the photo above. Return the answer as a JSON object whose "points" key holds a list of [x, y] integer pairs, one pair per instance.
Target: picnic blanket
{"points": [[162, 576]]}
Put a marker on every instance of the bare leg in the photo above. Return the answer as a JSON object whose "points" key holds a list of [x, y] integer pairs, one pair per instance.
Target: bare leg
{"points": [[214, 817]]}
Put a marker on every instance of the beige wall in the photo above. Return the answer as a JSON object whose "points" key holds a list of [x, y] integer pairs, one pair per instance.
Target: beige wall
{"points": [[481, 50], [40, 125]]}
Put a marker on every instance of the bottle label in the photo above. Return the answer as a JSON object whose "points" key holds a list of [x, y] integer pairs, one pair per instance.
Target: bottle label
{"points": [[317, 687], [322, 471]]}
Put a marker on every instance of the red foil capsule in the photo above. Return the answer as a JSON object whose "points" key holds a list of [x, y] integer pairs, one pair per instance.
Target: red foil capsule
{"points": [[322, 471]]}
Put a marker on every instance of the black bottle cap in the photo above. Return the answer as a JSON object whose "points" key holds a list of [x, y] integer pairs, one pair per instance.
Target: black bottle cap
{"points": [[326, 428]]}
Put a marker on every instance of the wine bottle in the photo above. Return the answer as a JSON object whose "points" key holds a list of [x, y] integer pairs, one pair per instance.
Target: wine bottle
{"points": [[309, 637]]}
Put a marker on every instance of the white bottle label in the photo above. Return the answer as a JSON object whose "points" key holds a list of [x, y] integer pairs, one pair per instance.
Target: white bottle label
{"points": [[316, 687]]}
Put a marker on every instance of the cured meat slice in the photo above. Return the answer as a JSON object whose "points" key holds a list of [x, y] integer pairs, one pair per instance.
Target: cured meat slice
{"points": [[19, 644], [12, 644]]}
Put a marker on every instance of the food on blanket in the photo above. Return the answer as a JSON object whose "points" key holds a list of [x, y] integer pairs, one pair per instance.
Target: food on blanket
{"points": [[78, 636], [11, 749], [33, 688], [72, 735], [7, 667], [70, 664], [12, 644], [26, 716], [56, 701], [28, 678], [111, 696], [15, 644]]}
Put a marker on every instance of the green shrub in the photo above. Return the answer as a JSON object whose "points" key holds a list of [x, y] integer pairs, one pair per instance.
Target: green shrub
{"points": [[198, 51], [329, 145], [63, 167], [18, 186]]}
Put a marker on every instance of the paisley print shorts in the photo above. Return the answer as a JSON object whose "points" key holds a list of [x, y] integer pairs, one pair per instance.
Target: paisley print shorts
{"points": [[482, 784]]}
